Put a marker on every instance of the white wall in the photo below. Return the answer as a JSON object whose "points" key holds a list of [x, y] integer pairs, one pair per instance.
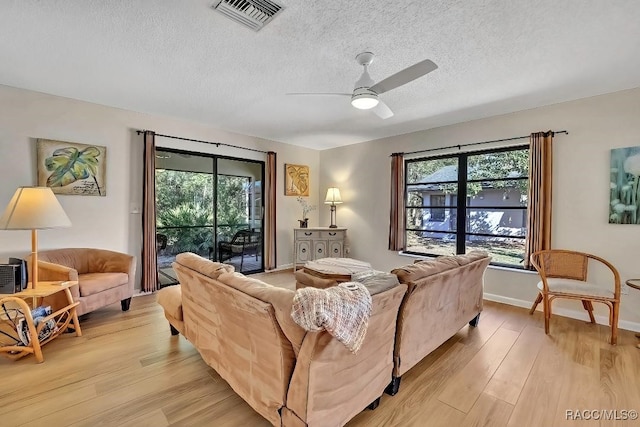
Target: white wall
{"points": [[107, 222], [580, 194]]}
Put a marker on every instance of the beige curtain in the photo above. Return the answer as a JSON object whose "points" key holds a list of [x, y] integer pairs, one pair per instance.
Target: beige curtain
{"points": [[149, 259], [396, 220], [270, 212], [539, 212]]}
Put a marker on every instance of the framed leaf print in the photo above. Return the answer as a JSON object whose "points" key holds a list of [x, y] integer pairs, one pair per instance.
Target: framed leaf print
{"points": [[71, 168], [296, 180]]}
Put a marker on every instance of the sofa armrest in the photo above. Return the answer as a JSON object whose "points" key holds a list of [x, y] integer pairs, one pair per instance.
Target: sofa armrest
{"points": [[49, 271], [330, 382]]}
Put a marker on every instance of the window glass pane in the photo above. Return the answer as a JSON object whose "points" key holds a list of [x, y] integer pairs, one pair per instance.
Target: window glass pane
{"points": [[498, 193], [414, 198], [502, 250], [425, 242], [434, 170], [505, 222], [505, 164], [434, 219]]}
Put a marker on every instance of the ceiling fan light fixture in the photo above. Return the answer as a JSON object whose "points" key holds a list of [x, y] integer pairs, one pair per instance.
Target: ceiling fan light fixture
{"points": [[364, 100]]}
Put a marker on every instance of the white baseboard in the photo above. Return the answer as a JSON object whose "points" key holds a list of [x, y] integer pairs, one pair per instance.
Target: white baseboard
{"points": [[566, 312], [280, 268]]}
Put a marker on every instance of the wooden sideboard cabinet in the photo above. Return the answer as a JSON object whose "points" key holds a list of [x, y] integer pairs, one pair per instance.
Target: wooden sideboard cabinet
{"points": [[315, 243]]}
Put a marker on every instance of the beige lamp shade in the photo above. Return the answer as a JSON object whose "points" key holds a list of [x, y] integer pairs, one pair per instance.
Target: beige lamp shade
{"points": [[333, 197], [33, 208]]}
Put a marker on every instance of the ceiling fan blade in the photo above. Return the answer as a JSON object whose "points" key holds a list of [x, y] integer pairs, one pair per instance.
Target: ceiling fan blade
{"points": [[405, 76], [382, 110], [320, 94]]}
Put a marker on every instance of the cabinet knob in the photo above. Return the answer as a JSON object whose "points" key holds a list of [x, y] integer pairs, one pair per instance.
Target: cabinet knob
{"points": [[335, 251], [303, 250], [332, 234], [319, 250], [307, 234]]}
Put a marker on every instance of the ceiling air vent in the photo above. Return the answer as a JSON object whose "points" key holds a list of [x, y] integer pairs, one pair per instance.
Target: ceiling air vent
{"points": [[254, 14]]}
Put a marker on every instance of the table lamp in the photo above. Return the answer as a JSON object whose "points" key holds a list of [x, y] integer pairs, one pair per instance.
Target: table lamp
{"points": [[333, 198], [34, 208]]}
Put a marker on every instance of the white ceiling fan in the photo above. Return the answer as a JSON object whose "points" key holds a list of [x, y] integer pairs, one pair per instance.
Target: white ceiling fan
{"points": [[365, 93]]}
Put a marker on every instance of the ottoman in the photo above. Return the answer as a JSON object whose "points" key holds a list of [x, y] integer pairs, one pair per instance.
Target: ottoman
{"points": [[326, 272]]}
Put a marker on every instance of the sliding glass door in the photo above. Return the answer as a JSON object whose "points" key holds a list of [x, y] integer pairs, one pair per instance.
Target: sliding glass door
{"points": [[208, 205]]}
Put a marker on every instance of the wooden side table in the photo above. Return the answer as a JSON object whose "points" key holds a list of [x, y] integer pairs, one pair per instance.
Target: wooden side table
{"points": [[635, 284], [62, 317]]}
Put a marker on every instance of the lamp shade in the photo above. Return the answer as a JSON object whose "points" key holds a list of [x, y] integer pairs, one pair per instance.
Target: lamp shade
{"points": [[333, 197], [33, 208]]}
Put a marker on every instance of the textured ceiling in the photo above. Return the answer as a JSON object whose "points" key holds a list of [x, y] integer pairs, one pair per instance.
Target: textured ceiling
{"points": [[180, 58]]}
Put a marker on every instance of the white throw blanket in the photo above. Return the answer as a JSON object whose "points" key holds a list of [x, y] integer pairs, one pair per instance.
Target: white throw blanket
{"points": [[342, 310]]}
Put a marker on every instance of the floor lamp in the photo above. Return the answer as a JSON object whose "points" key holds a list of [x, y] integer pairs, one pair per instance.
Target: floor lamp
{"points": [[34, 208], [333, 198]]}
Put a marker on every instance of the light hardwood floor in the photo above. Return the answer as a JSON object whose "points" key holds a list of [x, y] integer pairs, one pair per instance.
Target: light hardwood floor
{"points": [[127, 370]]}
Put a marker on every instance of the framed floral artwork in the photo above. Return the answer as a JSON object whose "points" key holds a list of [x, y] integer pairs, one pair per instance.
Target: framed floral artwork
{"points": [[296, 180], [71, 168]]}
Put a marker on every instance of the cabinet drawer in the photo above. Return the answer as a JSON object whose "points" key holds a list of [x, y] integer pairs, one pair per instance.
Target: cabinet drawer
{"points": [[332, 235], [307, 235]]}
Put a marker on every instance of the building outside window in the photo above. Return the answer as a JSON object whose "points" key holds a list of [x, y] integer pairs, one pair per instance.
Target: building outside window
{"points": [[437, 213], [466, 201]]}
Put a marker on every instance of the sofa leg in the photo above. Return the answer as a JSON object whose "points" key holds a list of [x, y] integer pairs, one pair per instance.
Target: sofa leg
{"points": [[474, 322], [125, 303], [373, 405], [174, 331], [393, 387]]}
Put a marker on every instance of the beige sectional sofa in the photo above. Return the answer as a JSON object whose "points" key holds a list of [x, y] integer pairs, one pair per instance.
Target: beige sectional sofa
{"points": [[243, 329]]}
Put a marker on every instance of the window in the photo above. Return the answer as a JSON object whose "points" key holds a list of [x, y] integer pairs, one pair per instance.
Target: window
{"points": [[476, 200], [437, 213]]}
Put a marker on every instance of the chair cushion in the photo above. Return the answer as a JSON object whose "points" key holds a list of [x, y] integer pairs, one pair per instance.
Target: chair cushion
{"points": [[170, 298], [570, 286], [93, 283]]}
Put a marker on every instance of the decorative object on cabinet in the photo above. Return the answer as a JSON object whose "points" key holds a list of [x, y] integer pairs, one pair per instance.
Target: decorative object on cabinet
{"points": [[306, 208], [318, 242], [333, 198], [624, 193], [296, 180], [34, 208], [70, 168]]}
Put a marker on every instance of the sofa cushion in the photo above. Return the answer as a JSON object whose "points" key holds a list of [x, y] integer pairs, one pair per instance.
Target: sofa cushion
{"points": [[281, 299], [376, 281], [203, 266], [418, 270], [170, 298], [93, 283], [427, 267]]}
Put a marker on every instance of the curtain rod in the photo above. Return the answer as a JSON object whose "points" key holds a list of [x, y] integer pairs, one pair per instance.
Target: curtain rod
{"points": [[217, 144], [459, 146]]}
